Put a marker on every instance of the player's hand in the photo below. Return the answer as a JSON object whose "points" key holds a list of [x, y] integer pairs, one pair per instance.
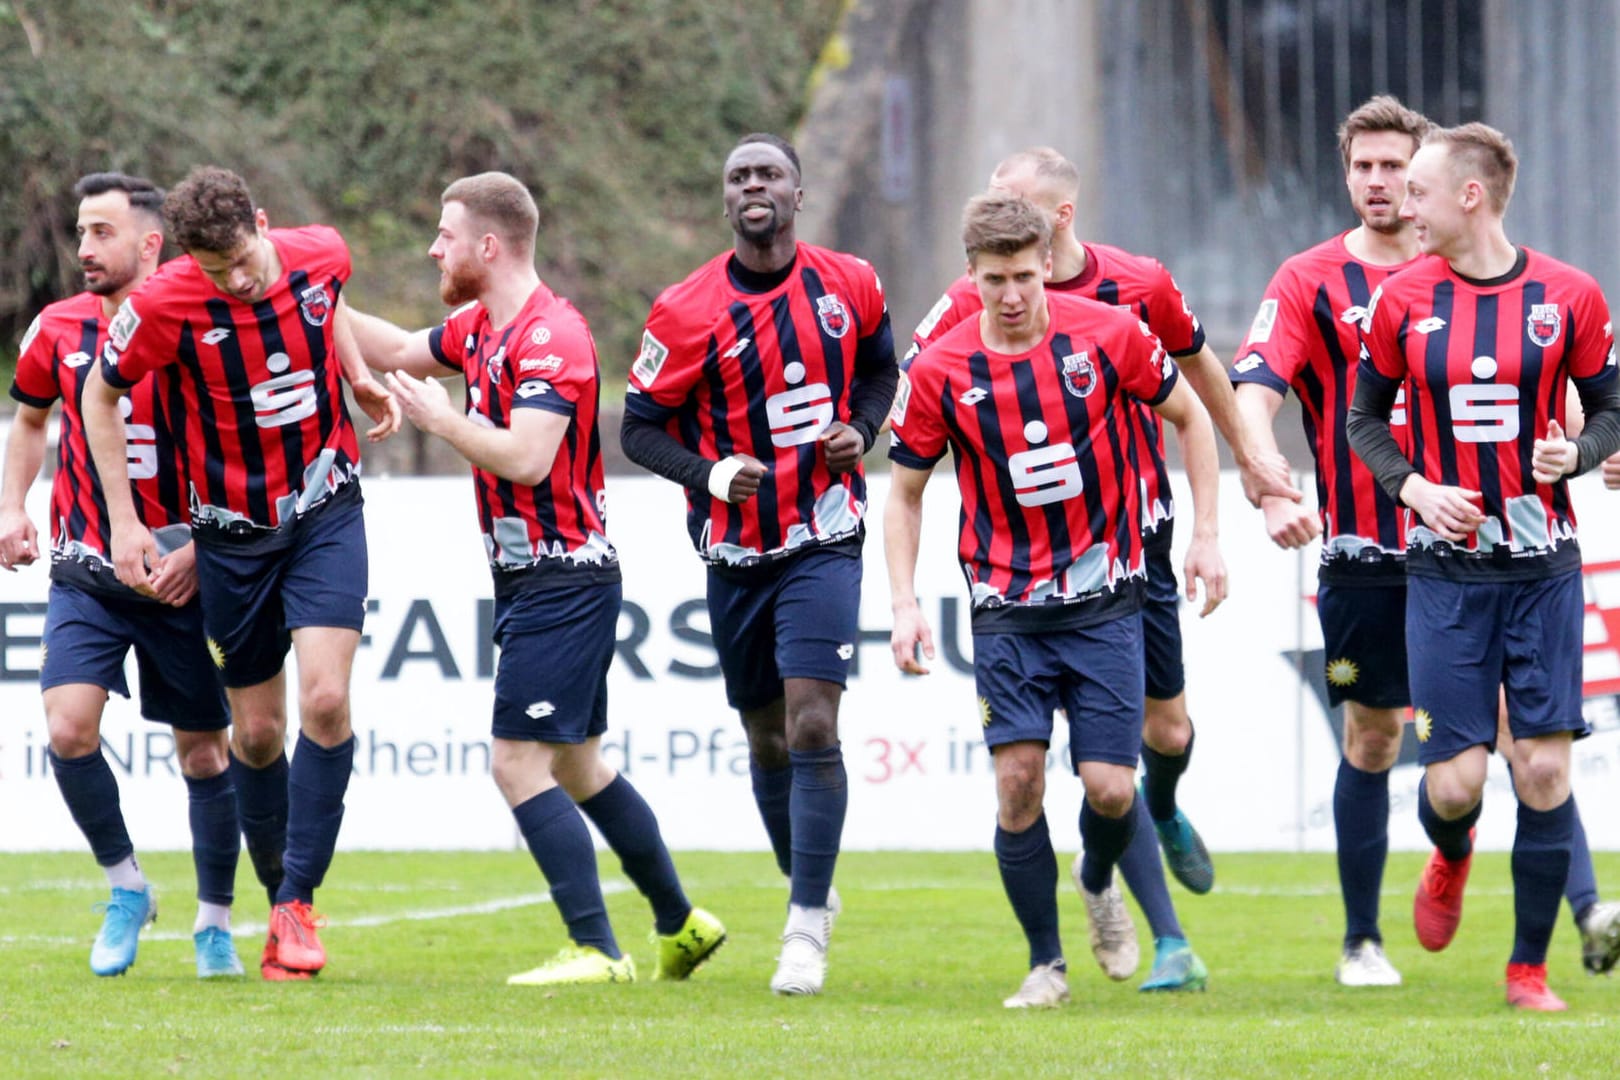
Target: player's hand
{"points": [[843, 446], [1611, 472], [910, 632], [19, 543], [1453, 512], [1289, 525], [1554, 457], [134, 554], [425, 401], [175, 580], [1205, 566], [1266, 474], [745, 485], [379, 404]]}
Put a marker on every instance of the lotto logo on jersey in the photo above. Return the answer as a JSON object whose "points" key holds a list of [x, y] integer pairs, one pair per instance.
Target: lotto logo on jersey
{"points": [[315, 304], [76, 359], [1543, 324], [1079, 374], [533, 388], [832, 315], [650, 361]]}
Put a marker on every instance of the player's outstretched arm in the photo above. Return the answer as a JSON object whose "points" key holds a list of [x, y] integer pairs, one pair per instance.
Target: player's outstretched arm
{"points": [[1264, 469], [134, 551], [1289, 524], [1196, 437], [25, 453], [902, 535], [386, 347], [369, 394], [522, 453]]}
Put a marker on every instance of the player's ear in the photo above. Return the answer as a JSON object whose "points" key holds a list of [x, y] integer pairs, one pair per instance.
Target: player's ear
{"points": [[1063, 215], [261, 221]]}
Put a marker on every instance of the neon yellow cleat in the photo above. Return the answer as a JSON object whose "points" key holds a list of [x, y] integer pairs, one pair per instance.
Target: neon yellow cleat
{"points": [[577, 964], [683, 952]]}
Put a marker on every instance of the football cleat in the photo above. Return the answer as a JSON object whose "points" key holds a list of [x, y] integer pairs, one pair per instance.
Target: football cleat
{"points": [[1185, 853], [801, 967], [681, 953], [1527, 989], [293, 927], [578, 964], [125, 913], [216, 953], [1437, 907], [1175, 967], [271, 971], [1600, 938], [1113, 935], [1045, 987], [1364, 964]]}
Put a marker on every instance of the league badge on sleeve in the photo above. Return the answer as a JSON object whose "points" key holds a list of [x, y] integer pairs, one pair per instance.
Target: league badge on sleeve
{"points": [[1079, 374], [833, 315], [29, 335], [123, 326], [1543, 324], [650, 361], [315, 304]]}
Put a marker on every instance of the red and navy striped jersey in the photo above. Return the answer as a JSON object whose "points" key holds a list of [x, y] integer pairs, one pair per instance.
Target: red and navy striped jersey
{"points": [[1306, 337], [269, 432], [728, 371], [1045, 457], [58, 354], [1135, 283], [1486, 364], [545, 359]]}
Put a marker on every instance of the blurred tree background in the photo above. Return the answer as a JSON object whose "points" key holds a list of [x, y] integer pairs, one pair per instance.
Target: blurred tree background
{"points": [[357, 113]]}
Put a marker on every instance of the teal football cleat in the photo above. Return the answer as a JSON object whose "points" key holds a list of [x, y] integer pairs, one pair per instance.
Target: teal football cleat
{"points": [[125, 914], [1185, 853], [1175, 967], [216, 954]]}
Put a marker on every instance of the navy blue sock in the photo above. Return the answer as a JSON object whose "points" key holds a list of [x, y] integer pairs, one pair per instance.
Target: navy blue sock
{"points": [[1105, 839], [816, 804], [1540, 868], [215, 842], [1029, 874], [1361, 829], [772, 789], [316, 782], [261, 804], [1450, 838], [627, 823], [1160, 775], [91, 793], [561, 845], [1143, 872], [1581, 889]]}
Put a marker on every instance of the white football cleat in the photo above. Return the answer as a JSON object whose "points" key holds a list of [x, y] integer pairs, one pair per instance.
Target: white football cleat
{"points": [[801, 967], [1045, 987], [1600, 938], [1364, 964], [1113, 935]]}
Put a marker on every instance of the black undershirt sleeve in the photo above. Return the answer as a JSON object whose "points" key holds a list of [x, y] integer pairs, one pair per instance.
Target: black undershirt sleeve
{"points": [[1368, 429], [649, 445], [1600, 438], [877, 375]]}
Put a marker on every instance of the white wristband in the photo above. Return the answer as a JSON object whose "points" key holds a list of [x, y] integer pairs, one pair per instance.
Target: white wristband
{"points": [[721, 475]]}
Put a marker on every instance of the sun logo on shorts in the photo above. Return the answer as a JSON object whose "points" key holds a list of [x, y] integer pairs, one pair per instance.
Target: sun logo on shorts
{"points": [[1423, 723], [1342, 672], [216, 653], [984, 712]]}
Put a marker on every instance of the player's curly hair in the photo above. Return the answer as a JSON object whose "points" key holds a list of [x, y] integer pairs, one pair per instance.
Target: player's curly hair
{"points": [[1479, 152], [1382, 113], [998, 224], [210, 210]]}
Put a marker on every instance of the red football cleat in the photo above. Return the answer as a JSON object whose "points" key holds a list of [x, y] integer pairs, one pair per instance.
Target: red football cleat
{"points": [[1527, 989], [271, 971], [293, 938], [1437, 908]]}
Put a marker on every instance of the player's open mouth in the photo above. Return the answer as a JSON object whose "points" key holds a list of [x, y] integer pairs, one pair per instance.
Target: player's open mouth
{"points": [[757, 212]]}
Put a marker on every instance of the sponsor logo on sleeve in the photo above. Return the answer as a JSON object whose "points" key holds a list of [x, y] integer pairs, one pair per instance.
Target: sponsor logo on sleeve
{"points": [[123, 326], [935, 313], [531, 388], [548, 364], [1248, 363], [902, 398], [29, 336], [650, 361], [1264, 320]]}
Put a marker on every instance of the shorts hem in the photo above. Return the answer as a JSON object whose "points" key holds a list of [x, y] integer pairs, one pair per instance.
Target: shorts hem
{"points": [[69, 680], [561, 738]]}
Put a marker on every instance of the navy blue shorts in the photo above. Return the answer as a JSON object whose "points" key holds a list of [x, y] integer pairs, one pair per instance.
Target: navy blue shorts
{"points": [[1522, 636], [252, 599], [1364, 638], [556, 645], [1092, 674], [793, 620], [1161, 617], [88, 635]]}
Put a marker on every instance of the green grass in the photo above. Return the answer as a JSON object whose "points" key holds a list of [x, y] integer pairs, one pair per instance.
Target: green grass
{"points": [[921, 959]]}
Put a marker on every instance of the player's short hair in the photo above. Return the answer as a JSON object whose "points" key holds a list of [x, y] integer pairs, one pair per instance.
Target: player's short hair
{"points": [[500, 202], [999, 224], [1049, 166], [1480, 152], [210, 210], [1382, 113], [772, 140], [144, 196]]}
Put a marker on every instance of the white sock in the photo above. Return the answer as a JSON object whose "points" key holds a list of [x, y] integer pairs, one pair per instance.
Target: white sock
{"points": [[216, 915], [811, 921], [126, 874]]}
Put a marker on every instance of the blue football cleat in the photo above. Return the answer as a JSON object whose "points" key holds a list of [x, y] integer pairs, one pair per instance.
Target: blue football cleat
{"points": [[216, 954], [126, 913], [1175, 967], [1185, 853]]}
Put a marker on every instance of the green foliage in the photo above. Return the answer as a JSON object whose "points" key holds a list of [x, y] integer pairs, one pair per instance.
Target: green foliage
{"points": [[617, 113]]}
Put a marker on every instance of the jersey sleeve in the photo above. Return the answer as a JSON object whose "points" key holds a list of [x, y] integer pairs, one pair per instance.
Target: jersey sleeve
{"points": [[555, 376], [448, 341], [1381, 353], [1146, 369], [1591, 357], [917, 429], [947, 311], [1275, 349], [872, 310], [35, 382], [140, 340], [669, 363], [1170, 316]]}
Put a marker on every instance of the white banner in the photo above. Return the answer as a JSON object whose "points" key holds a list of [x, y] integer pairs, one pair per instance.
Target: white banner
{"points": [[1261, 777]]}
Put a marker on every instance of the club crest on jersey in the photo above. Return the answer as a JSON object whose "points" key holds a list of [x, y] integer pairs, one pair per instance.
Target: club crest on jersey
{"points": [[497, 364], [833, 315], [1079, 374], [316, 305], [1543, 324]]}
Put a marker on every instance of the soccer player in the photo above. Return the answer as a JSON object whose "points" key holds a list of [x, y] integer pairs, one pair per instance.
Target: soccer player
{"points": [[1035, 399], [762, 380], [91, 619], [1486, 335], [530, 433], [248, 319]]}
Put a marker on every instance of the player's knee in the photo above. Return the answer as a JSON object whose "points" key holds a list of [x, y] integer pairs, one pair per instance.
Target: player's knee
{"points": [[324, 704], [1166, 727], [1112, 796], [1020, 789], [814, 727], [201, 755], [258, 738], [1450, 794], [72, 735]]}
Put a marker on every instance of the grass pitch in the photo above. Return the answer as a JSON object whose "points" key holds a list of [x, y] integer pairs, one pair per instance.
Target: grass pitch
{"points": [[420, 946]]}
